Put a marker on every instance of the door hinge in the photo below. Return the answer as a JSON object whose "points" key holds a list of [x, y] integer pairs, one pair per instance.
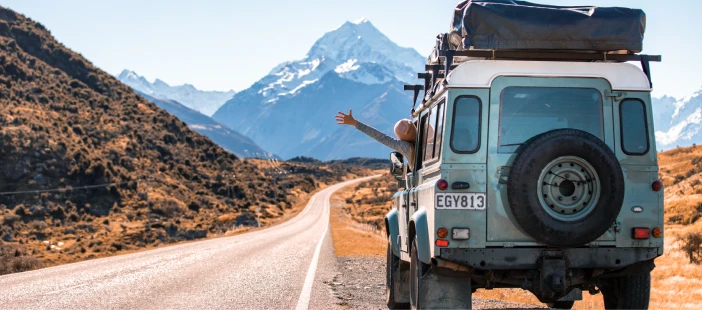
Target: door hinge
{"points": [[617, 95]]}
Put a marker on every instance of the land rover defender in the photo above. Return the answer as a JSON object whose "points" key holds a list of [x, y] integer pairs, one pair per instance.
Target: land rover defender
{"points": [[533, 170]]}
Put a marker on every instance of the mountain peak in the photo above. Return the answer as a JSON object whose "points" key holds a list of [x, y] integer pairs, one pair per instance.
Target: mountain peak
{"points": [[128, 74], [361, 40], [205, 102], [361, 20]]}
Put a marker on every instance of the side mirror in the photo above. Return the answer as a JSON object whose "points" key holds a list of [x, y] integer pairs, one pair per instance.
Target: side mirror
{"points": [[397, 165]]}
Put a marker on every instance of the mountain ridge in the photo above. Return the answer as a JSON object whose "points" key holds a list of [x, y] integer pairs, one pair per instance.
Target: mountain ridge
{"points": [[222, 135], [678, 122], [205, 102]]}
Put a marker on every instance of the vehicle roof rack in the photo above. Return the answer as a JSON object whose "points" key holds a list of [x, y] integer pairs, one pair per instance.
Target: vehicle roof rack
{"points": [[441, 69]]}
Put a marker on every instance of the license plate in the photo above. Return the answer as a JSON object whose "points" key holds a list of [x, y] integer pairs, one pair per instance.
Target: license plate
{"points": [[462, 201]]}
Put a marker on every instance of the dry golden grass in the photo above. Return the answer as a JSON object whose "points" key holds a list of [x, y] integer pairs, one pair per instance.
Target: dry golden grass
{"points": [[350, 237], [680, 171]]}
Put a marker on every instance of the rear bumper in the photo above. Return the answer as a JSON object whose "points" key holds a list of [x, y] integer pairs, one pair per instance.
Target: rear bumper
{"points": [[530, 258]]}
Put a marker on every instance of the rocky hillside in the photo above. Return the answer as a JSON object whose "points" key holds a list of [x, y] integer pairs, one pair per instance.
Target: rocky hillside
{"points": [[89, 168]]}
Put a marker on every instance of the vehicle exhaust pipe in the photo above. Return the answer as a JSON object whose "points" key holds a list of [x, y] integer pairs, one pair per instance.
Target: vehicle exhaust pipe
{"points": [[440, 262]]}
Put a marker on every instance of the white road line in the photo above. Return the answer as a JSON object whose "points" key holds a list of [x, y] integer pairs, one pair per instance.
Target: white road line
{"points": [[65, 289], [304, 301]]}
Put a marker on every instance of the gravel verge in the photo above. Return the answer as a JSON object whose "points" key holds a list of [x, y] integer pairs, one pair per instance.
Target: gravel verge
{"points": [[360, 284]]}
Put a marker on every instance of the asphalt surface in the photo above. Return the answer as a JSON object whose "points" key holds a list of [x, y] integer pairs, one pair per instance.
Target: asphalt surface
{"points": [[281, 267]]}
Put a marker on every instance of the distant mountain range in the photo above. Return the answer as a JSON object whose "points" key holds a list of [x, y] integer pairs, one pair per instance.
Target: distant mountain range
{"points": [[678, 122], [205, 102], [290, 111], [225, 137]]}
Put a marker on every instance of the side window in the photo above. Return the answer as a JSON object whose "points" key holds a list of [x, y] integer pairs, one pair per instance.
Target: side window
{"points": [[439, 129], [634, 133], [430, 134], [421, 141], [465, 128]]}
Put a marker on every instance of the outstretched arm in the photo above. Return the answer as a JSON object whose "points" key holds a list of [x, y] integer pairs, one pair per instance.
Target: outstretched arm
{"points": [[403, 147]]}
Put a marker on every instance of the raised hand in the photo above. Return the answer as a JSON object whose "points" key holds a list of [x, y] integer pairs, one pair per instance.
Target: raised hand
{"points": [[346, 119]]}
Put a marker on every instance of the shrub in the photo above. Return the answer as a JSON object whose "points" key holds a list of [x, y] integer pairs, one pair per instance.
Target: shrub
{"points": [[37, 225], [10, 219], [691, 244], [14, 259], [169, 207]]}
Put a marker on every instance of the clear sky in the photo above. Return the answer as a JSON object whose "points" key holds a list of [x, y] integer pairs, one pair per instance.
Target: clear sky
{"points": [[229, 44]]}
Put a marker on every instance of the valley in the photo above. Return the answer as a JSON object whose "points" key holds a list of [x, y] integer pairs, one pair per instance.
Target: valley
{"points": [[121, 192]]}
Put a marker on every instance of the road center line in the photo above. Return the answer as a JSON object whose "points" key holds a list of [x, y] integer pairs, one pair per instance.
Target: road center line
{"points": [[304, 301]]}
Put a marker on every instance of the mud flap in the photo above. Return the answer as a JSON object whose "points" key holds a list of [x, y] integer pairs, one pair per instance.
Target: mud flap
{"points": [[574, 295], [441, 290]]}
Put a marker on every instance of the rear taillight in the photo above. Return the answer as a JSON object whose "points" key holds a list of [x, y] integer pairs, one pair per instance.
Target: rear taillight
{"points": [[441, 243], [641, 233], [657, 186], [442, 184], [657, 232]]}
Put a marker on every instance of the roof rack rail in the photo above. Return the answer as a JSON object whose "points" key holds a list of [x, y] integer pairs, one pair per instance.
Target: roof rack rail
{"points": [[440, 71], [552, 56]]}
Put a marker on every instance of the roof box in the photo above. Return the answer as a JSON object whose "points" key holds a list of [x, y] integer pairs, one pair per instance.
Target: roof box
{"points": [[521, 25]]}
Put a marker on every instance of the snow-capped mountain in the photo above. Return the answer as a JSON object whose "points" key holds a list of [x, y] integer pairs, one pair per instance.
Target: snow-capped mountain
{"points": [[290, 111], [678, 122], [206, 102], [356, 50]]}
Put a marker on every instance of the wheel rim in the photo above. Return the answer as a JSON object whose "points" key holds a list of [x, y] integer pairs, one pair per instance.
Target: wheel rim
{"points": [[569, 188]]}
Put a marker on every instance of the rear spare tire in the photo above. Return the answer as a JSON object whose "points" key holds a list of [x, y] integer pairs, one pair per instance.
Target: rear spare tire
{"points": [[565, 187]]}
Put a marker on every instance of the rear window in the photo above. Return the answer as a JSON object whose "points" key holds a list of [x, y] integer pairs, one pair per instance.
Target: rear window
{"points": [[632, 114], [465, 130], [529, 111]]}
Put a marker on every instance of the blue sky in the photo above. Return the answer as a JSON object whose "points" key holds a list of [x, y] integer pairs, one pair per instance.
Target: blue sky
{"points": [[220, 45]]}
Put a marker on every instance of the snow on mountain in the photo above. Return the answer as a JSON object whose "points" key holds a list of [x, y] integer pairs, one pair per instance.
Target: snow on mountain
{"points": [[290, 111], [344, 50], [663, 110], [206, 102], [680, 121]]}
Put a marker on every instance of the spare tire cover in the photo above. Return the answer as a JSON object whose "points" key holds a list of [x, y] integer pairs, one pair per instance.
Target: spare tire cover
{"points": [[565, 187]]}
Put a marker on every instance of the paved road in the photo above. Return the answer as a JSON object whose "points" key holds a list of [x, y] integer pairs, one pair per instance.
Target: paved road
{"points": [[272, 268]]}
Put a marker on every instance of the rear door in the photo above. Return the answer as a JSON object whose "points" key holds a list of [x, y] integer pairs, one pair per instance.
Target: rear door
{"points": [[523, 107]]}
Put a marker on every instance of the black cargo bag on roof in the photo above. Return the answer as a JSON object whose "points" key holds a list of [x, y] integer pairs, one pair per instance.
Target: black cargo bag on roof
{"points": [[511, 24]]}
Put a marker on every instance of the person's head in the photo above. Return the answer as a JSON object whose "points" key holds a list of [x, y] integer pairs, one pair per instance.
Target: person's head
{"points": [[405, 130]]}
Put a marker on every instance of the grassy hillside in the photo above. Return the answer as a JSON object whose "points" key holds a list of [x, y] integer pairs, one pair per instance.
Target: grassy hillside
{"points": [[88, 168], [681, 172]]}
